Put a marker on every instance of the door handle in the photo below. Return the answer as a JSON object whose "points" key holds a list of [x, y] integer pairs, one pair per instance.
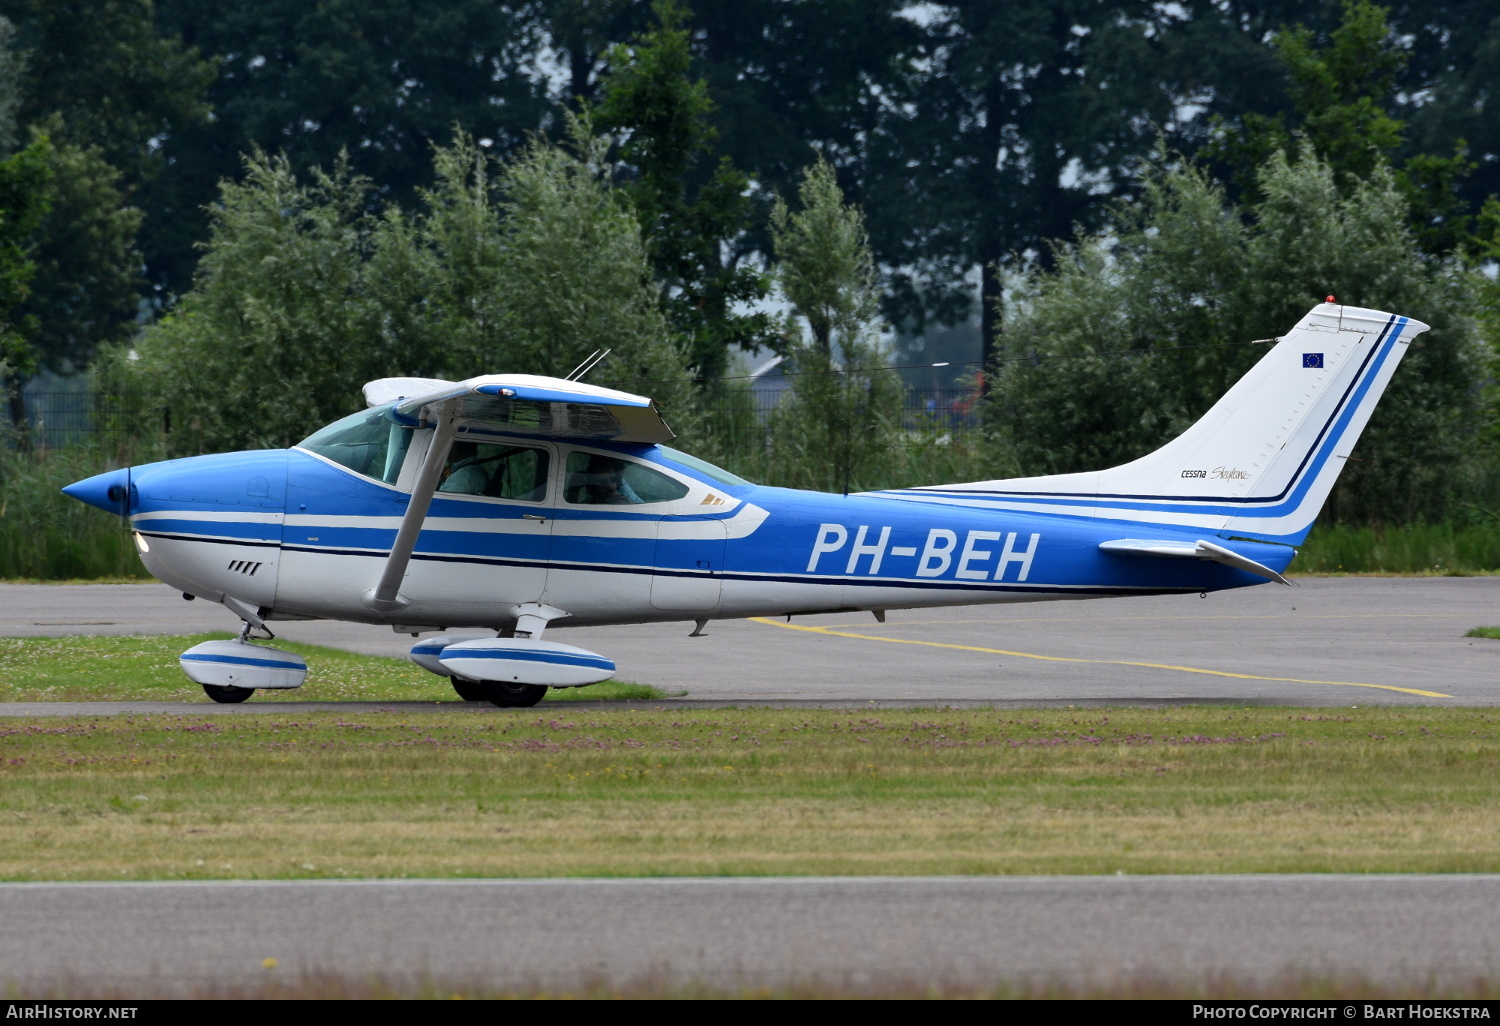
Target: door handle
{"points": [[533, 516]]}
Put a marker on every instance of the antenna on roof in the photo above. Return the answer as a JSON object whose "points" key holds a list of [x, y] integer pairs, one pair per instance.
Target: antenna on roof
{"points": [[588, 365]]}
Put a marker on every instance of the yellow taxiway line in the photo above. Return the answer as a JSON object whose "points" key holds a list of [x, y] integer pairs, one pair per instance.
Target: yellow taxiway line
{"points": [[1071, 659]]}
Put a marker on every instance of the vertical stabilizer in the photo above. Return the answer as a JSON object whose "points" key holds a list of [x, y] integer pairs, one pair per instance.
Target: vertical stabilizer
{"points": [[1261, 462]]}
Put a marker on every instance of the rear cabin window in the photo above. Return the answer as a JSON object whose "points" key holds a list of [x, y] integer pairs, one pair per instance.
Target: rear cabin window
{"points": [[597, 480], [497, 471], [368, 443]]}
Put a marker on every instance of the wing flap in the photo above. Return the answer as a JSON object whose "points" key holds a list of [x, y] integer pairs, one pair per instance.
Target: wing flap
{"points": [[1200, 549]]}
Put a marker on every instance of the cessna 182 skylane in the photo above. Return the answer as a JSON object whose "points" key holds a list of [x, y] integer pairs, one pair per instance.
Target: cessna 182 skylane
{"points": [[516, 503]]}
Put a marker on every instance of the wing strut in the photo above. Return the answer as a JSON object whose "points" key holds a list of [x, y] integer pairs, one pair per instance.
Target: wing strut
{"points": [[384, 597]]}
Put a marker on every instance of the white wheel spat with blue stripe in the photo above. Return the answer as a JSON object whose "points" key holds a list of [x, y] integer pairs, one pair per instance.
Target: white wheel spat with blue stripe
{"points": [[524, 661], [240, 664]]}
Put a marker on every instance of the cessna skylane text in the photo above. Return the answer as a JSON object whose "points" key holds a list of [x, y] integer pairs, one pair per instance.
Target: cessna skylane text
{"points": [[493, 509]]}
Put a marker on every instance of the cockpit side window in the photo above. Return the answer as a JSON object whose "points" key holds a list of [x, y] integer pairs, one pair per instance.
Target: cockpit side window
{"points": [[515, 472], [369, 442], [598, 480]]}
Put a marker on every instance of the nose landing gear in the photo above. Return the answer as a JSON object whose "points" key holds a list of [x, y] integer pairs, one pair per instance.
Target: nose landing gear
{"points": [[232, 671]]}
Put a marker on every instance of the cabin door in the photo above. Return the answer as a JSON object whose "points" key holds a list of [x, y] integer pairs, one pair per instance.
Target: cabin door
{"points": [[689, 564]]}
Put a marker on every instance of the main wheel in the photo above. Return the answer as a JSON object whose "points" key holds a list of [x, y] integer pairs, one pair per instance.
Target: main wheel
{"points": [[513, 696], [227, 692], [469, 690]]}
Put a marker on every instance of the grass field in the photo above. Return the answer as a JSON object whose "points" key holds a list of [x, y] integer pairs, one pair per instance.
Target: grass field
{"points": [[633, 792], [1434, 550], [78, 669]]}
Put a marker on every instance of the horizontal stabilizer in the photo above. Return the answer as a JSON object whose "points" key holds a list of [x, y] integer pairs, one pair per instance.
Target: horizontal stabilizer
{"points": [[1200, 549]]}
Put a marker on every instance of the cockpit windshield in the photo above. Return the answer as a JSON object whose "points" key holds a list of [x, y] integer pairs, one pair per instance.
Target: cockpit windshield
{"points": [[703, 467], [370, 442]]}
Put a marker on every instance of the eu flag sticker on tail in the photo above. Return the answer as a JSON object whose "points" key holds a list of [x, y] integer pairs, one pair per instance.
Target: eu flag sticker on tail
{"points": [[1312, 360]]}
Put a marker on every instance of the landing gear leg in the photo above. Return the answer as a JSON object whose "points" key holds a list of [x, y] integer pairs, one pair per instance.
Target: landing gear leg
{"points": [[513, 696], [228, 694]]}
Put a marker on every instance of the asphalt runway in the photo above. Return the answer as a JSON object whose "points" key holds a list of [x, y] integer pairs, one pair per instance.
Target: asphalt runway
{"points": [[848, 932], [1343, 641], [1327, 641]]}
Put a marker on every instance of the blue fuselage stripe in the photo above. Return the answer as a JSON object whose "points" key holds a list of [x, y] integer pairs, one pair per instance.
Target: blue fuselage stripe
{"points": [[1071, 587]]}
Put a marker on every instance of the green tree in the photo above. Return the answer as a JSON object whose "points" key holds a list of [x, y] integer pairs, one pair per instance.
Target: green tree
{"points": [[1342, 94], [528, 266], [110, 78], [87, 287], [111, 89], [1446, 90], [1007, 125], [584, 31], [824, 267], [576, 276], [692, 215], [12, 69], [106, 90], [1093, 374], [24, 186], [1484, 248], [843, 413], [379, 79], [272, 342], [304, 293]]}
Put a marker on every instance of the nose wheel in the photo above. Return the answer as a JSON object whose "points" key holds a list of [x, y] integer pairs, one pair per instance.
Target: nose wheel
{"points": [[512, 696], [227, 693]]}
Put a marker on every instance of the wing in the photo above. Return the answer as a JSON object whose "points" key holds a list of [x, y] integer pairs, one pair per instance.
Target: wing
{"points": [[528, 404], [388, 390]]}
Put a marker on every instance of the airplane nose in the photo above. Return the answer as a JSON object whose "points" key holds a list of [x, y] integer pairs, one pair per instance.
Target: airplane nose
{"points": [[110, 491]]}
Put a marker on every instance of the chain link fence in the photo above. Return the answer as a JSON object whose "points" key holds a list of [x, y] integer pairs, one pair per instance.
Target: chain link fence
{"points": [[63, 419]]}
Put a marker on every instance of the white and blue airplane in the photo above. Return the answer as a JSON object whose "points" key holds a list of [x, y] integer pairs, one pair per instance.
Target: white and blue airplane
{"points": [[493, 509]]}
